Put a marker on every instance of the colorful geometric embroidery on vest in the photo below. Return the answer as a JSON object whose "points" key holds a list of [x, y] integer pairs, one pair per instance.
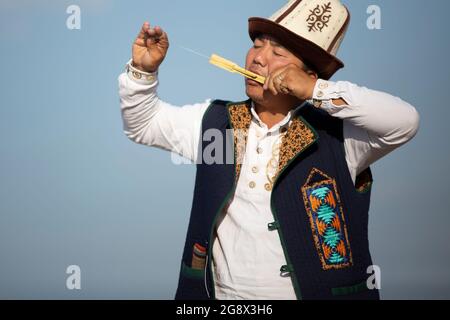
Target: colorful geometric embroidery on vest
{"points": [[327, 220]]}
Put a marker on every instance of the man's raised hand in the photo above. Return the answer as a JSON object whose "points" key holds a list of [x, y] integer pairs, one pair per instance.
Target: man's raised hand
{"points": [[150, 48]]}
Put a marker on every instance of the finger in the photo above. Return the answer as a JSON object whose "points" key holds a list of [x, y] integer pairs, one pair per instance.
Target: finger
{"points": [[150, 37], [279, 73], [272, 86], [164, 37], [282, 83], [143, 31], [158, 31], [156, 35], [140, 42], [161, 35], [273, 83], [276, 80], [142, 35], [268, 83], [155, 32]]}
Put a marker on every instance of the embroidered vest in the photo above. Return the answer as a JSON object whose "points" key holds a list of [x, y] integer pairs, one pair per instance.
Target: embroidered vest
{"points": [[319, 214]]}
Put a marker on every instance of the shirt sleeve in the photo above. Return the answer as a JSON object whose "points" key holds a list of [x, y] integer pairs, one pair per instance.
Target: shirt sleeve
{"points": [[375, 123], [149, 121]]}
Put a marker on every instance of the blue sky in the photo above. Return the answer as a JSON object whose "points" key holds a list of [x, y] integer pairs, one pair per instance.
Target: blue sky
{"points": [[75, 190]]}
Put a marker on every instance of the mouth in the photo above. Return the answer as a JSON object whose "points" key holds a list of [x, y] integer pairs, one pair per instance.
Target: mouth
{"points": [[251, 81]]}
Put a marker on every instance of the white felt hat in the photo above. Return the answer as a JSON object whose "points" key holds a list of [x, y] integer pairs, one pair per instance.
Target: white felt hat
{"points": [[311, 29]]}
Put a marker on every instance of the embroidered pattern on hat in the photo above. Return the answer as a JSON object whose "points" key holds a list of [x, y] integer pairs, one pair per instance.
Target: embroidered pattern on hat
{"points": [[323, 205], [318, 19]]}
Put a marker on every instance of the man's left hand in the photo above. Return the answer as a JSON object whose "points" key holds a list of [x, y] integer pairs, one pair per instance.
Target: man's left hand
{"points": [[292, 80]]}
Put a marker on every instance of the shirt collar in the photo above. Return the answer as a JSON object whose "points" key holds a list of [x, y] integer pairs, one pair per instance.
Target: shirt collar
{"points": [[281, 123]]}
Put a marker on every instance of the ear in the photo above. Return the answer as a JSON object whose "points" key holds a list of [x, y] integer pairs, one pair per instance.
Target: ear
{"points": [[312, 75]]}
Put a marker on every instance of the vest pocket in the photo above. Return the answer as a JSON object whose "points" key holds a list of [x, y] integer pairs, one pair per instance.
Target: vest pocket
{"points": [[191, 285], [192, 273], [358, 291], [340, 291]]}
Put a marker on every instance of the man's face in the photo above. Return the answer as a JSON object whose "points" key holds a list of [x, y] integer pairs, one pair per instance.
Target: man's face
{"points": [[266, 56]]}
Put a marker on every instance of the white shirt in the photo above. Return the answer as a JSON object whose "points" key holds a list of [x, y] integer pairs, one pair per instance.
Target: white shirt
{"points": [[246, 256]]}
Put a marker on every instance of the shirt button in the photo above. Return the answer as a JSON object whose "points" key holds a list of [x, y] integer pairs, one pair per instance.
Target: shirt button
{"points": [[252, 184], [255, 169], [323, 85], [268, 186], [320, 94], [273, 226], [137, 75], [259, 150]]}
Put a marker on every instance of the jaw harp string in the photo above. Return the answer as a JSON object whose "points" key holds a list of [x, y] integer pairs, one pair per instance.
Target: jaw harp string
{"points": [[229, 66]]}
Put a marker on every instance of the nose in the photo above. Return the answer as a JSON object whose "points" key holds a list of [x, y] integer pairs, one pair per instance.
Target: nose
{"points": [[261, 57]]}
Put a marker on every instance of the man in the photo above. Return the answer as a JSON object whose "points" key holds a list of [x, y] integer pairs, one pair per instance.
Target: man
{"points": [[287, 219]]}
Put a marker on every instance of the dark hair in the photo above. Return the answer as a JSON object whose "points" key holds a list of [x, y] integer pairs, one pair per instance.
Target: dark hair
{"points": [[308, 69], [305, 67]]}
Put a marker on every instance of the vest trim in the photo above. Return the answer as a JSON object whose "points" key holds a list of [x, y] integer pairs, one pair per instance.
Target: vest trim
{"points": [[340, 291], [224, 202]]}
